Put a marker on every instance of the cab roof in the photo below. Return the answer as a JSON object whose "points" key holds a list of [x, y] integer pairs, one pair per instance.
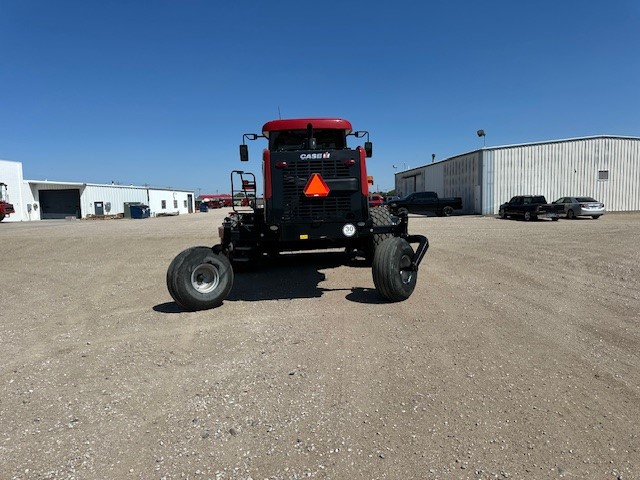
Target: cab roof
{"points": [[301, 124]]}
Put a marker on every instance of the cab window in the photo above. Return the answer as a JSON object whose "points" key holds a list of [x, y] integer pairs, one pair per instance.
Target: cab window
{"points": [[291, 140]]}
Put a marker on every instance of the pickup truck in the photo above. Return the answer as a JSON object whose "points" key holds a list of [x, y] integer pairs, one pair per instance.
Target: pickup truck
{"points": [[530, 207], [425, 202]]}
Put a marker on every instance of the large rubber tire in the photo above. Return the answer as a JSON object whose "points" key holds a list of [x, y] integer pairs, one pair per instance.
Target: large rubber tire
{"points": [[447, 211], [392, 276], [595, 217], [571, 215], [199, 278], [379, 216]]}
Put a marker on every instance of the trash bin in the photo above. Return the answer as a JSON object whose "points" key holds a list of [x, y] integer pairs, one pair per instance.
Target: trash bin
{"points": [[127, 208], [140, 211]]}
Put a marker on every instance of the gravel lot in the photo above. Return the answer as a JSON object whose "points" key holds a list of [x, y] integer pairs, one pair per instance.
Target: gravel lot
{"points": [[517, 356]]}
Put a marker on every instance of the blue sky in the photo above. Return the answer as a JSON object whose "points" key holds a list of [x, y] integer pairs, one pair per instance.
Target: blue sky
{"points": [[160, 92]]}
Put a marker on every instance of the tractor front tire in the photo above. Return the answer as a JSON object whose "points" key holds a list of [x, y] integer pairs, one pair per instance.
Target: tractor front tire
{"points": [[392, 274], [198, 278]]}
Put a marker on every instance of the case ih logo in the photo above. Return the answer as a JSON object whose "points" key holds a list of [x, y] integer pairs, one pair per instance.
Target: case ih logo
{"points": [[315, 156]]}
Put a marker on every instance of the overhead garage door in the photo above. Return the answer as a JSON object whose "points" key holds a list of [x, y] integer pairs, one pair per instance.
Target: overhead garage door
{"points": [[60, 203]]}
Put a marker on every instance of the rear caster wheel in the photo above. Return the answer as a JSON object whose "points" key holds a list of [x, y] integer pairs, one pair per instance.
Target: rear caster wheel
{"points": [[199, 278], [393, 276]]}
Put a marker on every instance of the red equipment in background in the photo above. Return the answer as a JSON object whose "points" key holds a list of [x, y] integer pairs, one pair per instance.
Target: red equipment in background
{"points": [[6, 208]]}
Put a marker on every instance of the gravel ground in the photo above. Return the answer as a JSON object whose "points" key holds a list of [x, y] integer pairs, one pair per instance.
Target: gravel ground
{"points": [[516, 357]]}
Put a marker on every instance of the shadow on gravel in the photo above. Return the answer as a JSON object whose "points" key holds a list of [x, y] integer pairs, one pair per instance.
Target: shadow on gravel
{"points": [[291, 276], [169, 307]]}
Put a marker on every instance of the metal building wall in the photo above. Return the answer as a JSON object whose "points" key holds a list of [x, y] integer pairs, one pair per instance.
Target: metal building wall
{"points": [[410, 181], [36, 186], [565, 168], [11, 175], [117, 195], [434, 178], [455, 177], [462, 179], [176, 201]]}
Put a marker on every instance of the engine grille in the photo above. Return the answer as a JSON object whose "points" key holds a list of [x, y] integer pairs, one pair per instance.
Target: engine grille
{"points": [[299, 207]]}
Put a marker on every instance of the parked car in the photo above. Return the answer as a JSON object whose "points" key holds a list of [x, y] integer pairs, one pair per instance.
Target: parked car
{"points": [[425, 202], [529, 207], [375, 200], [392, 198], [581, 207]]}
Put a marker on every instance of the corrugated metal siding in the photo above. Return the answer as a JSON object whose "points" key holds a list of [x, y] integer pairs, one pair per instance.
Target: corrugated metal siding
{"points": [[565, 168], [434, 178], [455, 177], [488, 182], [461, 177], [116, 195], [410, 181], [181, 199], [11, 175]]}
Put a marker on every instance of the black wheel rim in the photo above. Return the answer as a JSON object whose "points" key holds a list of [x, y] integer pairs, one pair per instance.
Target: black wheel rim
{"points": [[406, 273]]}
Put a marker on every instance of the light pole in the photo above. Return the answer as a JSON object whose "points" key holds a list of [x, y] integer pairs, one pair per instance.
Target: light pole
{"points": [[481, 133]]}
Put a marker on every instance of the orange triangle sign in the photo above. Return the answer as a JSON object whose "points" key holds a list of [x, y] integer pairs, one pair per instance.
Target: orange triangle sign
{"points": [[316, 186]]}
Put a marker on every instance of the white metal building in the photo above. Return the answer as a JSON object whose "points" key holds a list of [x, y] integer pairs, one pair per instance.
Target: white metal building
{"points": [[604, 167], [43, 199], [11, 175]]}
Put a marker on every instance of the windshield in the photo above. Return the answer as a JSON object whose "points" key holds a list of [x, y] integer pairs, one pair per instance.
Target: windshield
{"points": [[585, 199], [290, 140]]}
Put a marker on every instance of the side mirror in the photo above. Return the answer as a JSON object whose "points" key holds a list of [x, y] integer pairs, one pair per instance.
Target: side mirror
{"points": [[368, 148], [244, 153]]}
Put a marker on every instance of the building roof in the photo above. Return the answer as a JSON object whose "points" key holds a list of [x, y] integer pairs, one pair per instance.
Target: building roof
{"points": [[114, 185], [515, 145], [562, 140]]}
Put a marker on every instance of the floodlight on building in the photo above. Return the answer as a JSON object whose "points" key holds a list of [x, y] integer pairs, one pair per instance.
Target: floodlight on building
{"points": [[481, 133]]}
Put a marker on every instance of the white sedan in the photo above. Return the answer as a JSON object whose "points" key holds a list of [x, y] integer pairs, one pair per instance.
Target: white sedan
{"points": [[581, 207]]}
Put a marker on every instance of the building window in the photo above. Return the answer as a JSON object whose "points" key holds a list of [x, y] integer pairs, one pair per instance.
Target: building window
{"points": [[603, 175], [175, 204], [185, 204], [164, 204]]}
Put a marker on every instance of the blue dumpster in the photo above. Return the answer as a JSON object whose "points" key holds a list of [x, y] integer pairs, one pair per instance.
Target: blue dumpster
{"points": [[204, 207], [140, 211]]}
